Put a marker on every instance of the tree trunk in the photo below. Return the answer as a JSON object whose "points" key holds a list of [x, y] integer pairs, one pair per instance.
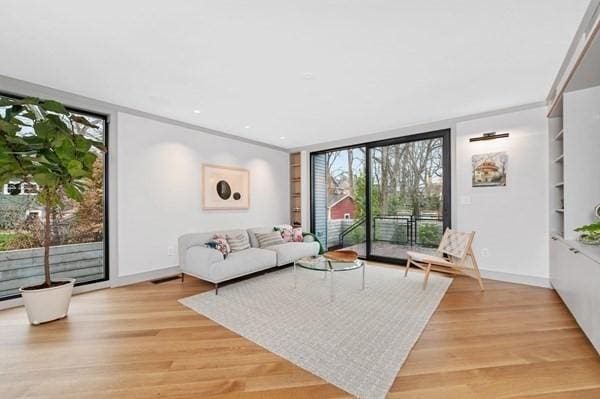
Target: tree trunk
{"points": [[351, 172], [47, 242]]}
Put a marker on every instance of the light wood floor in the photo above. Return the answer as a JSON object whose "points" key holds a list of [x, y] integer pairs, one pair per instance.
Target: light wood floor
{"points": [[511, 341]]}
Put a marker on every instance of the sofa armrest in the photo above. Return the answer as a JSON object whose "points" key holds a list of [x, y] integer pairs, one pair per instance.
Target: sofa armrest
{"points": [[200, 254], [198, 260], [309, 239]]}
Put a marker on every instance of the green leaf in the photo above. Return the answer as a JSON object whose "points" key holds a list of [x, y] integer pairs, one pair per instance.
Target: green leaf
{"points": [[66, 150], [44, 179], [8, 127], [82, 144], [45, 129], [75, 168], [73, 192], [54, 106]]}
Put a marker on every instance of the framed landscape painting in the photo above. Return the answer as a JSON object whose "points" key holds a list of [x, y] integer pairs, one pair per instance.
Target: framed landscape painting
{"points": [[489, 169], [225, 187]]}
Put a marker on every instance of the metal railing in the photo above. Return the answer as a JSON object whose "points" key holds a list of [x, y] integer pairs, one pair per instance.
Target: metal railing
{"points": [[425, 231]]}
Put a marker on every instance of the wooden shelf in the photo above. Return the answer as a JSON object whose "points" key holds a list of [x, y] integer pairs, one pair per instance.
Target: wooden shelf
{"points": [[559, 185], [559, 158], [559, 210], [295, 188]]}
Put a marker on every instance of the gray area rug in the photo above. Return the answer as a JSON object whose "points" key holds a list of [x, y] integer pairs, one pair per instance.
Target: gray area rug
{"points": [[358, 342]]}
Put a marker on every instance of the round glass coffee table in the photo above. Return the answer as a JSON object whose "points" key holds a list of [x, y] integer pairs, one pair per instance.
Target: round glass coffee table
{"points": [[329, 267]]}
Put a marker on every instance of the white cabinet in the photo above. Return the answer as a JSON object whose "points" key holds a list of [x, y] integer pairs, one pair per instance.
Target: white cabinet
{"points": [[575, 275]]}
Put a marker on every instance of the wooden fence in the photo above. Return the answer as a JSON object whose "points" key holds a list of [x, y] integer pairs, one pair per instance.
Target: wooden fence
{"points": [[24, 267]]}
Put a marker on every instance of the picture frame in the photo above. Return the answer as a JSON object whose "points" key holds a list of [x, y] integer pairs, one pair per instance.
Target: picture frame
{"points": [[225, 187]]}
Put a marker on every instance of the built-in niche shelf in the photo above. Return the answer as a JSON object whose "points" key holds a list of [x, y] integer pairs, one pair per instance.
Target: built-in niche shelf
{"points": [[559, 135], [295, 189]]}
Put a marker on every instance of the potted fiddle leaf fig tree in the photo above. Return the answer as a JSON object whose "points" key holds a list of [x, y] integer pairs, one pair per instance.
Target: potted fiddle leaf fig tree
{"points": [[40, 143]]}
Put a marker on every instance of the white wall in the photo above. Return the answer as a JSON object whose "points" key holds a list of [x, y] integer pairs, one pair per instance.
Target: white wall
{"points": [[512, 221], [159, 168]]}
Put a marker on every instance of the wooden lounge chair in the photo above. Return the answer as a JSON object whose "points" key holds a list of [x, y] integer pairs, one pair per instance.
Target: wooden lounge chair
{"points": [[451, 257]]}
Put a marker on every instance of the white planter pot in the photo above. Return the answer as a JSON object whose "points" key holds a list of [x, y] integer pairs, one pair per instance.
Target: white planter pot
{"points": [[48, 304]]}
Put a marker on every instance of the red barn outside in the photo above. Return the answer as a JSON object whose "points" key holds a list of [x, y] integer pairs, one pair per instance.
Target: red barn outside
{"points": [[341, 207]]}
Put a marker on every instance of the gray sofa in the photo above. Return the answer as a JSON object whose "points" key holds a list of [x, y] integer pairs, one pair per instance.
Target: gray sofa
{"points": [[195, 259]]}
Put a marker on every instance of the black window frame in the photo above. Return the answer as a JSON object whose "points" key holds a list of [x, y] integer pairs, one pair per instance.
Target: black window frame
{"points": [[444, 134], [105, 189]]}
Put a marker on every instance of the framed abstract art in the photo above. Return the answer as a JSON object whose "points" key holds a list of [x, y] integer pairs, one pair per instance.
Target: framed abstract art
{"points": [[225, 187]]}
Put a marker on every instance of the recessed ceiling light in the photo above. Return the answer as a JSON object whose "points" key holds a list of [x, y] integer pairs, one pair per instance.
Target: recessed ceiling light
{"points": [[308, 76], [196, 111], [247, 127], [282, 138]]}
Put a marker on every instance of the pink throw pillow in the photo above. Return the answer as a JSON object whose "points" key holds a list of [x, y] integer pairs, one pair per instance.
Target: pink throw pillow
{"points": [[297, 235], [222, 240]]}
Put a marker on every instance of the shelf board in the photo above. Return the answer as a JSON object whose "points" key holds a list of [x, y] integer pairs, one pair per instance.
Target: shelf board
{"points": [[295, 179], [294, 165], [559, 135], [559, 210], [560, 185], [559, 158], [294, 195]]}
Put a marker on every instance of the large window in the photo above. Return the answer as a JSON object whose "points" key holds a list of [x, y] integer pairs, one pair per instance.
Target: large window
{"points": [[383, 198], [79, 236]]}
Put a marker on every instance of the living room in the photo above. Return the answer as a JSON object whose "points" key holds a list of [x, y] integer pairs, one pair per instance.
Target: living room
{"points": [[304, 200]]}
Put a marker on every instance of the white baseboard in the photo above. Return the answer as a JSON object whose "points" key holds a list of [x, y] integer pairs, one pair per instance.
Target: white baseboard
{"points": [[13, 303], [535, 281], [145, 276]]}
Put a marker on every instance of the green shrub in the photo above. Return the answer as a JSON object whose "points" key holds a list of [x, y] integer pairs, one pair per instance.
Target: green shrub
{"points": [[400, 236], [430, 234]]}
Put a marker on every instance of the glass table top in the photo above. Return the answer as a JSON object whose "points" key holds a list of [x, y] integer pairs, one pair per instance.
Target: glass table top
{"points": [[323, 264]]}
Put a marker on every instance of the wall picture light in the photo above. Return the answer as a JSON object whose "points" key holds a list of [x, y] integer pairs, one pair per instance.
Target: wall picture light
{"points": [[489, 136]]}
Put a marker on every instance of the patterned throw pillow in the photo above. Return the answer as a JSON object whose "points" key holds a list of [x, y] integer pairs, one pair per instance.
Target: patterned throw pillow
{"points": [[218, 246], [297, 235], [221, 239], [286, 232], [269, 239], [238, 242]]}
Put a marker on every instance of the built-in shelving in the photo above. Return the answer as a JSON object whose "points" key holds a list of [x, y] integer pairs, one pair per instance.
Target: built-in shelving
{"points": [[559, 135], [573, 139], [295, 189]]}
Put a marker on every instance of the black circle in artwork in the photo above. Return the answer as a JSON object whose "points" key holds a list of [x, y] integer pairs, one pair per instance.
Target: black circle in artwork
{"points": [[223, 189], [237, 196]]}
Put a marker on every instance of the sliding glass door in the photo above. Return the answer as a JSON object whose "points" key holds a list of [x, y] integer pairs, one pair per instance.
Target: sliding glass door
{"points": [[407, 199], [383, 198]]}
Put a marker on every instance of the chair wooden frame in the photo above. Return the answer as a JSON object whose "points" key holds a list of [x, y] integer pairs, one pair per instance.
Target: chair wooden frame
{"points": [[446, 263]]}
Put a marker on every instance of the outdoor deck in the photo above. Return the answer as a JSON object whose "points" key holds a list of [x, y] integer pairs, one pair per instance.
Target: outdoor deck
{"points": [[389, 250]]}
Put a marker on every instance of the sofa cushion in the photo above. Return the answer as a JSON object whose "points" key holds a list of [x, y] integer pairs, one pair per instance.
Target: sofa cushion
{"points": [[242, 263], [238, 242], [252, 234], [266, 240], [291, 251]]}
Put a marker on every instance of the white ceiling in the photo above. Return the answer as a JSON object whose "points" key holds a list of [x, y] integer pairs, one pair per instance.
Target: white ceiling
{"points": [[310, 70]]}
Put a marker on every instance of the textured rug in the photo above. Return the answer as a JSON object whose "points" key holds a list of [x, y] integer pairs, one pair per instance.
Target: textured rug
{"points": [[358, 342]]}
